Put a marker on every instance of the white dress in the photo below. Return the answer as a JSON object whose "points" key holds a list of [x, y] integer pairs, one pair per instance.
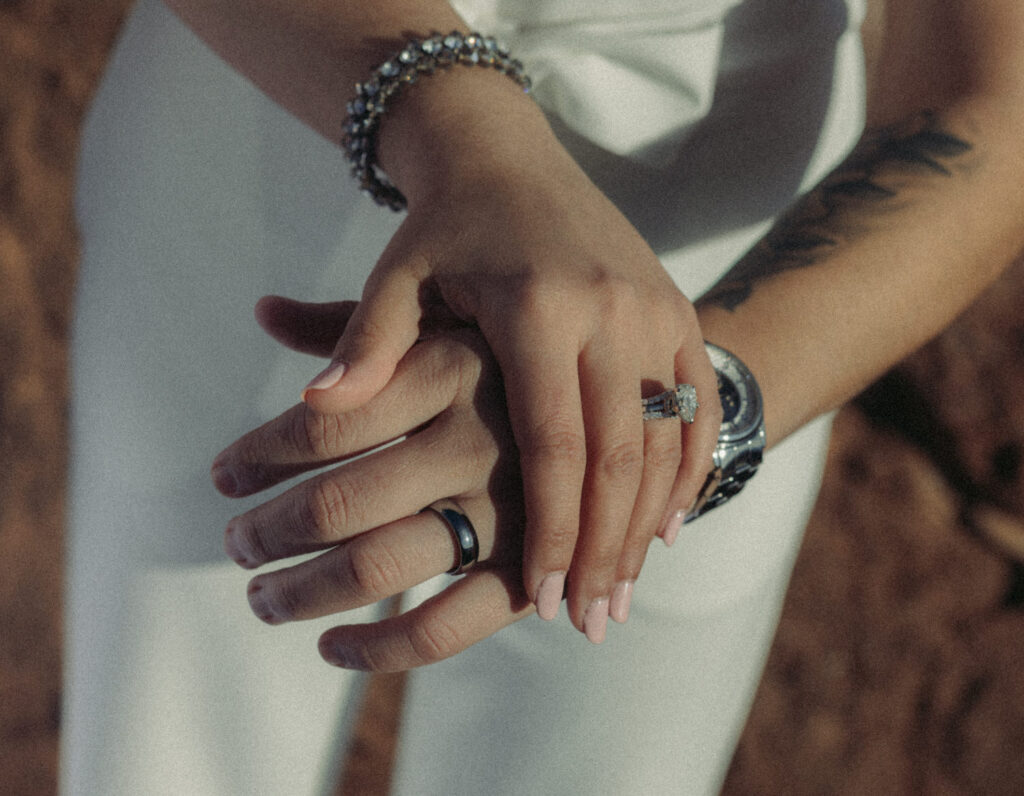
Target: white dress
{"points": [[701, 119]]}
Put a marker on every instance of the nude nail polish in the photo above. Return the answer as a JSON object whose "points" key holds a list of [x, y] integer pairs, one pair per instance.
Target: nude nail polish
{"points": [[672, 527], [326, 378], [622, 597], [595, 620], [549, 595]]}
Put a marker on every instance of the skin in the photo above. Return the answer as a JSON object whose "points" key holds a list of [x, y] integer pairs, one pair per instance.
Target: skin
{"points": [[877, 259], [503, 231]]}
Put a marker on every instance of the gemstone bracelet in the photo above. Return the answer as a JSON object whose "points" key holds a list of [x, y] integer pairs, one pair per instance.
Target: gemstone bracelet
{"points": [[425, 57]]}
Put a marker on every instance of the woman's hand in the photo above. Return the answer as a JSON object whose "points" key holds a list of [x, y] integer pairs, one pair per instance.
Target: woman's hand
{"points": [[506, 232]]}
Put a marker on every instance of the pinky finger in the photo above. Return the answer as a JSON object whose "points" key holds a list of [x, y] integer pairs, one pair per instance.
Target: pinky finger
{"points": [[468, 611]]}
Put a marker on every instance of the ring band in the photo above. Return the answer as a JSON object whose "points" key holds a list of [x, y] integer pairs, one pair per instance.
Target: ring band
{"points": [[681, 402], [463, 533]]}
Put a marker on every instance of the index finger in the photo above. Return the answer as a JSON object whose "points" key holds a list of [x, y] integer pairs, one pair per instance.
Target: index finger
{"points": [[301, 439]]}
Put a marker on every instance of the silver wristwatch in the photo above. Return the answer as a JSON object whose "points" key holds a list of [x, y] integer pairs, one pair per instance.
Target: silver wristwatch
{"points": [[741, 438]]}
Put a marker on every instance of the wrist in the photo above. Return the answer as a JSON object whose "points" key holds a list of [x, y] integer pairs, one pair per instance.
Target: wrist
{"points": [[456, 127]]}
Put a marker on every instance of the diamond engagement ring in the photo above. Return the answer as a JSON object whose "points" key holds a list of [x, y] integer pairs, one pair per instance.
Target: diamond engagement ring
{"points": [[681, 402]]}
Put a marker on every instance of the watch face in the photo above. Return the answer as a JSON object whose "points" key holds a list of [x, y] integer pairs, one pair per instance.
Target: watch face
{"points": [[739, 394]]}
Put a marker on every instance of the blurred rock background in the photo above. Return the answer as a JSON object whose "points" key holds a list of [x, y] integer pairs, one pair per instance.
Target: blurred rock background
{"points": [[897, 667]]}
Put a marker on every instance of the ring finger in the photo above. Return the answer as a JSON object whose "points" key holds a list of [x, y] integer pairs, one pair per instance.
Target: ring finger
{"points": [[662, 450], [370, 567]]}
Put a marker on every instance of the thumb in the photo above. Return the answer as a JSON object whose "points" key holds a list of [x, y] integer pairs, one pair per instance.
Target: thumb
{"points": [[383, 327], [310, 328]]}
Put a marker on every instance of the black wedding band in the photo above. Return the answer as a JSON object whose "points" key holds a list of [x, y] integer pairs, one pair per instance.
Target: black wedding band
{"points": [[463, 533]]}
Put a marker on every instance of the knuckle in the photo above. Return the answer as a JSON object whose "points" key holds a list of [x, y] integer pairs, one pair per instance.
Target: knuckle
{"points": [[316, 433], [373, 570], [481, 447], [536, 299], [467, 366], [663, 454], [623, 460], [554, 443], [560, 538], [329, 508], [434, 639], [620, 297]]}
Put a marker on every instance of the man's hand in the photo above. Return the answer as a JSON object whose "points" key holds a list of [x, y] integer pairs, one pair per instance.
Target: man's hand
{"points": [[447, 399]]}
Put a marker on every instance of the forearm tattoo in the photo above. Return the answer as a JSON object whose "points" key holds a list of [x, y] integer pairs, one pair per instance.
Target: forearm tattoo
{"points": [[869, 182]]}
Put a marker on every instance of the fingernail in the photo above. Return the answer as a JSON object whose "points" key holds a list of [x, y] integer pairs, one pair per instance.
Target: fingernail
{"points": [[672, 527], [622, 596], [260, 605], [236, 548], [326, 378], [595, 620], [224, 480], [549, 595], [337, 655]]}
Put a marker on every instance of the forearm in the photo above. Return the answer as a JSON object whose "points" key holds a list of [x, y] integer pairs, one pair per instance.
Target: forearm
{"points": [[307, 55], [462, 124], [880, 257]]}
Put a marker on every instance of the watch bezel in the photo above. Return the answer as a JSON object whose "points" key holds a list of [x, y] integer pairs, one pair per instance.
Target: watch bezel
{"points": [[751, 405]]}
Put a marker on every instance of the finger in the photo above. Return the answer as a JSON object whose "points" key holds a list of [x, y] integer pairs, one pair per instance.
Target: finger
{"points": [[301, 439], [610, 388], [698, 438], [305, 327], [662, 451], [380, 331], [468, 611], [543, 394], [368, 568], [368, 492]]}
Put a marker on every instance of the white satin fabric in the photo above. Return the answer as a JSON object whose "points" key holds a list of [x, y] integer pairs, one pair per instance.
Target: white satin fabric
{"points": [[630, 77], [197, 196]]}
